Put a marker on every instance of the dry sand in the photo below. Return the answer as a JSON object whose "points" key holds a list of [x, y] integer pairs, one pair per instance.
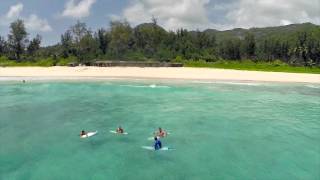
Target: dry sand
{"points": [[159, 73]]}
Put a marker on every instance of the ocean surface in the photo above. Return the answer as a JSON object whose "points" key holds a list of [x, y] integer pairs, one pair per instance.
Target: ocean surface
{"points": [[218, 130]]}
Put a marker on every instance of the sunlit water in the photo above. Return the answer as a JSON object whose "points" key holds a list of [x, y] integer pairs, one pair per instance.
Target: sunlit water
{"points": [[218, 130]]}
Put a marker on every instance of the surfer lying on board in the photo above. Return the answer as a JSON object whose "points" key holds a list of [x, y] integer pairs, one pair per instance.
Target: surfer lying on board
{"points": [[83, 133], [157, 144], [161, 133], [120, 130]]}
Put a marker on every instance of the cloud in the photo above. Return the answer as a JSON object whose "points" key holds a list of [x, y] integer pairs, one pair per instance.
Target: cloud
{"points": [[114, 17], [221, 14], [171, 14], [32, 22], [77, 9], [15, 11], [261, 13]]}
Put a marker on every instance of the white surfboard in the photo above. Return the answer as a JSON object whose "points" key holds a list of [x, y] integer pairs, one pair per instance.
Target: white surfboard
{"points": [[89, 134], [115, 132], [152, 148]]}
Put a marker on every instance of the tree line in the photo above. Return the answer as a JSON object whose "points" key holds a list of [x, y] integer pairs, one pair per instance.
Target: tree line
{"points": [[149, 41], [18, 44]]}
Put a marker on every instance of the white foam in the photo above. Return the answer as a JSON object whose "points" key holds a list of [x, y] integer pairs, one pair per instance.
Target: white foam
{"points": [[313, 86], [242, 83], [227, 82], [153, 86], [203, 82], [146, 86]]}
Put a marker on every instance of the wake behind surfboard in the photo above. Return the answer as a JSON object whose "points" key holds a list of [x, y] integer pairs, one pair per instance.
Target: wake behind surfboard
{"points": [[115, 132], [152, 138], [151, 148]]}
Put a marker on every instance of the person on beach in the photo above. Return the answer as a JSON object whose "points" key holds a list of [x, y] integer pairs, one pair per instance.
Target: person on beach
{"points": [[157, 144], [83, 133], [161, 132], [120, 130]]}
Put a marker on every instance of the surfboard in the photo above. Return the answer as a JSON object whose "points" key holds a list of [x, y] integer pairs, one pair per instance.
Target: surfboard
{"points": [[89, 134], [152, 148], [115, 132]]}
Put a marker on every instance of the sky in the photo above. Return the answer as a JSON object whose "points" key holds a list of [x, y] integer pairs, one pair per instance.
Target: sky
{"points": [[50, 18]]}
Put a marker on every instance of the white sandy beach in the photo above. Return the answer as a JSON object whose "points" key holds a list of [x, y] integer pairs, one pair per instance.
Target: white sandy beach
{"points": [[158, 73]]}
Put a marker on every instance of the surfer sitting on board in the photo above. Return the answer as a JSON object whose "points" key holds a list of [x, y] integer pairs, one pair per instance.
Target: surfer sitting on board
{"points": [[120, 130], [157, 144], [83, 133], [161, 133]]}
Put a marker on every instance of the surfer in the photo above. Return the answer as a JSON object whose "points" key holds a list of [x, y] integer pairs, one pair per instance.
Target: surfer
{"points": [[83, 133], [161, 133], [120, 130], [157, 144]]}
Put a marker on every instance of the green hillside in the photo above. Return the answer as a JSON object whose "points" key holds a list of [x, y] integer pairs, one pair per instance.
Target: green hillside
{"points": [[283, 32]]}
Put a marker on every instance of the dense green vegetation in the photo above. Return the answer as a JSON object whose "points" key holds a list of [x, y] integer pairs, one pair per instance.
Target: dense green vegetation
{"points": [[289, 48], [45, 62]]}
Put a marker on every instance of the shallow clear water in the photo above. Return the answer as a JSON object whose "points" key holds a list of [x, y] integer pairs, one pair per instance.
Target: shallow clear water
{"points": [[219, 130]]}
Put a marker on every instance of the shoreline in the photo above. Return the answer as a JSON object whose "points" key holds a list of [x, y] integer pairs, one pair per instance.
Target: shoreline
{"points": [[170, 73]]}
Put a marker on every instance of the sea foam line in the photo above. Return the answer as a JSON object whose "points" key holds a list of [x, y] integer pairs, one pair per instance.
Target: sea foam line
{"points": [[146, 86], [231, 83], [313, 86]]}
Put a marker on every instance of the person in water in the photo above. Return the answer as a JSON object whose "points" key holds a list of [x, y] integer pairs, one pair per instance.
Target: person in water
{"points": [[161, 132], [83, 133], [157, 144], [120, 130]]}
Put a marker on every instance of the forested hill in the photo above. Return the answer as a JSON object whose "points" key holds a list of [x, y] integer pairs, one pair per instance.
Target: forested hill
{"points": [[280, 32], [296, 44]]}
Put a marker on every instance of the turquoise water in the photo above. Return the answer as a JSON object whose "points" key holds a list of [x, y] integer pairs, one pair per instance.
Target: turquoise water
{"points": [[218, 130]]}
